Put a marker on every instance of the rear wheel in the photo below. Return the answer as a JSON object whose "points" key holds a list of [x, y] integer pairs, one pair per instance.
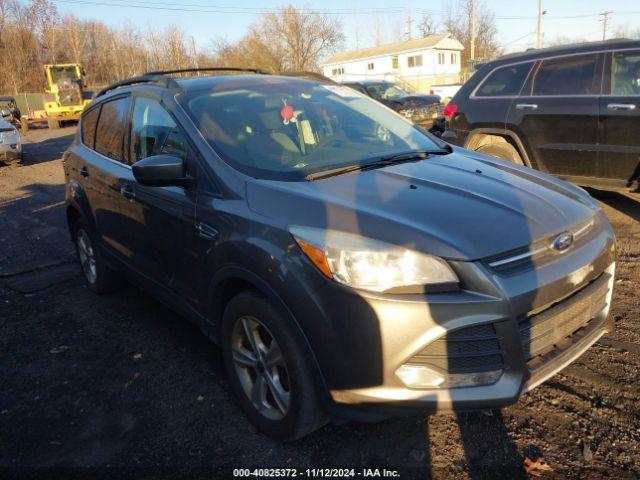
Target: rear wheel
{"points": [[503, 150], [99, 277], [53, 123], [267, 369]]}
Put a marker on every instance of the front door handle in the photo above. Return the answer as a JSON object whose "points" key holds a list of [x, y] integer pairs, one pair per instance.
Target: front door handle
{"points": [[526, 106], [621, 106], [84, 172], [127, 192]]}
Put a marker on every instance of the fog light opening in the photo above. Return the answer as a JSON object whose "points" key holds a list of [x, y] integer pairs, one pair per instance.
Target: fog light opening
{"points": [[421, 376]]}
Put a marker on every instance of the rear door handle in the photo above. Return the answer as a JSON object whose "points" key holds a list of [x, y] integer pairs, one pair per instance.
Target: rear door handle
{"points": [[526, 106], [84, 172], [127, 192], [621, 106]]}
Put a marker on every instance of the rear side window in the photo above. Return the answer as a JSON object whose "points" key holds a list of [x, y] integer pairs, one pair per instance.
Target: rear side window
{"points": [[89, 121], [505, 81], [566, 76], [625, 73], [111, 128], [153, 132]]}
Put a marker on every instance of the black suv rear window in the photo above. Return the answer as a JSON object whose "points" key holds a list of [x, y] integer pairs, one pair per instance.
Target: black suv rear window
{"points": [[572, 75], [505, 81], [111, 128]]}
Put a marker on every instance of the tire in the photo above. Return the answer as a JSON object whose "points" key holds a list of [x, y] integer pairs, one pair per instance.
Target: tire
{"points": [[503, 150], [98, 276], [52, 123], [250, 319]]}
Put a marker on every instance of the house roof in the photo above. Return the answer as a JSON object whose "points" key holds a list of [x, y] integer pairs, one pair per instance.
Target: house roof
{"points": [[441, 40]]}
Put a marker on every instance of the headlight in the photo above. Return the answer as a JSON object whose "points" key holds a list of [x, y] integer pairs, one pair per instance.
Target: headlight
{"points": [[369, 264]]}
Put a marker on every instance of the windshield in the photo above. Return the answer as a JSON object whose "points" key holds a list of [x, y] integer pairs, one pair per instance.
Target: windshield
{"points": [[58, 73], [286, 129], [385, 91]]}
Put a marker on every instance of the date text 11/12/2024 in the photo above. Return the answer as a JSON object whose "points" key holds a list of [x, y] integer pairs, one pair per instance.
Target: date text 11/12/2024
{"points": [[316, 473]]}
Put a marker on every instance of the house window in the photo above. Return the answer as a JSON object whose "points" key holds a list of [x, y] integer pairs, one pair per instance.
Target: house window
{"points": [[454, 59], [414, 61], [370, 66], [441, 59], [394, 62], [337, 71]]}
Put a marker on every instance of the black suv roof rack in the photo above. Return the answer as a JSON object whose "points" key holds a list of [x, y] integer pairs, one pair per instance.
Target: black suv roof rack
{"points": [[208, 69], [159, 77]]}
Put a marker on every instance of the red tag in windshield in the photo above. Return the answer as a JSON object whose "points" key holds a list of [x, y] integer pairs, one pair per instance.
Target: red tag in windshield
{"points": [[286, 113]]}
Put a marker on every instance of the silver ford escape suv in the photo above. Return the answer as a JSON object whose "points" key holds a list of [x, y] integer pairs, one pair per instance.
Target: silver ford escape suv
{"points": [[346, 262]]}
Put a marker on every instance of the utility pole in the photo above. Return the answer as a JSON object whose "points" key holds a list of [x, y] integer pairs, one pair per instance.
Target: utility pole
{"points": [[194, 54], [472, 53], [409, 22], [605, 21], [539, 30]]}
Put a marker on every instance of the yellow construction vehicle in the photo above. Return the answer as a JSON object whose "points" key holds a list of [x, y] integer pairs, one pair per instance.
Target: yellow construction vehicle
{"points": [[66, 94]]}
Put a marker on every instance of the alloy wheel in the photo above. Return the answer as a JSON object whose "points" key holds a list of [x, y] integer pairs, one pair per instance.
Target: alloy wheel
{"points": [[261, 367], [86, 256]]}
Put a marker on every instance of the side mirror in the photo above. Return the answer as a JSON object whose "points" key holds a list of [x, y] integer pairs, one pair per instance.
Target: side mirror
{"points": [[6, 113], [161, 171]]}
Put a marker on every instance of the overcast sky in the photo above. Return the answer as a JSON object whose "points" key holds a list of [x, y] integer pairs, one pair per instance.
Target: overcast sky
{"points": [[516, 19]]}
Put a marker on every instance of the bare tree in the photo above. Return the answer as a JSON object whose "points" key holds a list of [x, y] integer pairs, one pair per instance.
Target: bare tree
{"points": [[427, 26], [458, 24]]}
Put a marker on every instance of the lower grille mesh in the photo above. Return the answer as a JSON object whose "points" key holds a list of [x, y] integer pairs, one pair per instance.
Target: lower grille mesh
{"points": [[467, 350], [553, 327]]}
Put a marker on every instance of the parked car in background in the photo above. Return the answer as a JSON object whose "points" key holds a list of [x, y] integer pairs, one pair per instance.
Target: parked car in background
{"points": [[10, 146], [421, 109], [9, 103], [445, 92], [572, 111], [339, 256]]}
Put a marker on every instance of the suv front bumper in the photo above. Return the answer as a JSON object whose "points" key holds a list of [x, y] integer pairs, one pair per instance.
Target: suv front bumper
{"points": [[544, 318]]}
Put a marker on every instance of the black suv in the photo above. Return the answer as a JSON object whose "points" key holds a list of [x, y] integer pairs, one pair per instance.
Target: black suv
{"points": [[337, 253], [571, 111]]}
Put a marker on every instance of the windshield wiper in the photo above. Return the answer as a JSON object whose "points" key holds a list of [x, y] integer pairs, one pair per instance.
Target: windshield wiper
{"points": [[381, 162]]}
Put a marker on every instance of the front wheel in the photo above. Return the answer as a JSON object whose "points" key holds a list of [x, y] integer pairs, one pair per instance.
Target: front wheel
{"points": [[503, 150], [267, 369]]}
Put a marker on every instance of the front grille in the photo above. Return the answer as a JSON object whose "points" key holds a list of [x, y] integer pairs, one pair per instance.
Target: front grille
{"points": [[467, 350], [557, 326]]}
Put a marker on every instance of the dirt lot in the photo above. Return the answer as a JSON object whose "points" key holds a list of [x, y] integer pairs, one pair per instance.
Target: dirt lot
{"points": [[121, 386]]}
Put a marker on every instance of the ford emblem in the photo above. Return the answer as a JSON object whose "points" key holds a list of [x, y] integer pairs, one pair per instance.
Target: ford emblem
{"points": [[562, 242]]}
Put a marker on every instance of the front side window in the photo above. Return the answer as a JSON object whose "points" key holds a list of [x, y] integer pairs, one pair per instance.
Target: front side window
{"points": [[505, 81], [89, 121], [572, 75], [153, 132], [111, 128], [625, 73], [286, 129]]}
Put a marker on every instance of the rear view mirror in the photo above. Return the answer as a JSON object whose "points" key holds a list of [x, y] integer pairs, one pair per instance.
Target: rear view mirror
{"points": [[161, 171]]}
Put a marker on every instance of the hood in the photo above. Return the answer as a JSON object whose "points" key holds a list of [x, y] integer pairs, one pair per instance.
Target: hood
{"points": [[412, 101], [463, 206]]}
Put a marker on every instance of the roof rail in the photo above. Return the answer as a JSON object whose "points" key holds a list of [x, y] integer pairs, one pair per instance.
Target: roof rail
{"points": [[208, 69], [146, 78], [158, 77]]}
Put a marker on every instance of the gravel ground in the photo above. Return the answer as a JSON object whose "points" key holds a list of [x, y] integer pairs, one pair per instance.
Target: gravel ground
{"points": [[120, 386]]}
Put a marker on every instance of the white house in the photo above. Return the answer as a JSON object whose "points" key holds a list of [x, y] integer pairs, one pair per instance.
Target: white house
{"points": [[416, 63]]}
